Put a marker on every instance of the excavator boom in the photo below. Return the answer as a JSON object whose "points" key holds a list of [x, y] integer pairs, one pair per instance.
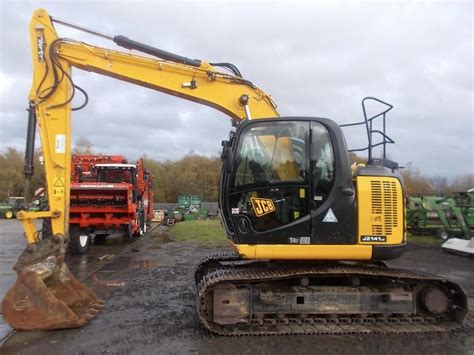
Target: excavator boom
{"points": [[46, 294]]}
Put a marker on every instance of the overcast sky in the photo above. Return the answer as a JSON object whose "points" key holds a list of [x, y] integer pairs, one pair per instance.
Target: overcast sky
{"points": [[315, 59]]}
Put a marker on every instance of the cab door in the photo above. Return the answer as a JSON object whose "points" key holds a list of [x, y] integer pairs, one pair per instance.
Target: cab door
{"points": [[333, 209], [270, 184]]}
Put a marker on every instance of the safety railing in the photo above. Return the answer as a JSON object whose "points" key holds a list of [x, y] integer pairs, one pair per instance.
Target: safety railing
{"points": [[368, 122]]}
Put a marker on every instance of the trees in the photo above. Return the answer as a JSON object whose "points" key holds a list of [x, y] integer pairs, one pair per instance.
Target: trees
{"points": [[354, 158], [83, 146], [462, 183], [199, 175], [415, 183], [12, 181], [191, 175], [439, 184]]}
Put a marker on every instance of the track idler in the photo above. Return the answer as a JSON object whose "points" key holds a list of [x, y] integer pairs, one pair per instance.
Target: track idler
{"points": [[46, 295]]}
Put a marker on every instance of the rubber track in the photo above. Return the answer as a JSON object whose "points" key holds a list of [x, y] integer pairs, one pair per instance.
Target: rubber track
{"points": [[311, 324], [207, 261]]}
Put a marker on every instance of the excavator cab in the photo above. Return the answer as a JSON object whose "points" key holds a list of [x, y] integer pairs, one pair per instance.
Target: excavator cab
{"points": [[289, 182], [288, 191]]}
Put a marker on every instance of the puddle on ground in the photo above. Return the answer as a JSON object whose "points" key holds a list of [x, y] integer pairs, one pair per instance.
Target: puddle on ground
{"points": [[159, 240], [114, 240], [106, 282], [143, 264], [122, 263], [80, 265]]}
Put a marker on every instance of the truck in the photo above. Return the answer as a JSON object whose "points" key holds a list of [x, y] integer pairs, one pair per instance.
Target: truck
{"points": [[108, 195]]}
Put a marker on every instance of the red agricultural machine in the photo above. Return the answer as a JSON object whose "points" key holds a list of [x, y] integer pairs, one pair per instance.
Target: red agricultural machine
{"points": [[108, 195]]}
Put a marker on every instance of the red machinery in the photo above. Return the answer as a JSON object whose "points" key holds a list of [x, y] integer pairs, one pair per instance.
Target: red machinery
{"points": [[107, 195]]}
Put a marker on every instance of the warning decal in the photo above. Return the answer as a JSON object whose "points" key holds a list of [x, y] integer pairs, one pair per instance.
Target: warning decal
{"points": [[330, 217], [58, 182], [58, 187]]}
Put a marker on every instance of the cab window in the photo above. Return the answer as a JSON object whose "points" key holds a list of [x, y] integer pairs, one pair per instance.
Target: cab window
{"points": [[322, 163], [272, 154], [271, 180]]}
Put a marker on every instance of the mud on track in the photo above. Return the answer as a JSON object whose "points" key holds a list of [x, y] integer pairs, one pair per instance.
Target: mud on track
{"points": [[150, 308]]}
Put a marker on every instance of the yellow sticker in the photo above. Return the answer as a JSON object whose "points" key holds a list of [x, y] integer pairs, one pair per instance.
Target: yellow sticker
{"points": [[58, 182], [296, 214], [262, 206], [58, 187], [58, 191], [302, 193]]}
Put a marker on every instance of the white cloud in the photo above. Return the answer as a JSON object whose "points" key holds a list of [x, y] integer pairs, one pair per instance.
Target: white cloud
{"points": [[6, 83], [315, 59]]}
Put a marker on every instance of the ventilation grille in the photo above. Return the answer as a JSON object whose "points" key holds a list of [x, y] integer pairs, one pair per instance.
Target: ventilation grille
{"points": [[384, 207]]}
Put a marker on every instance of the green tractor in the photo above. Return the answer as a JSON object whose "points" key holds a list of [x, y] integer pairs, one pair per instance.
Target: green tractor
{"points": [[40, 204], [447, 217], [9, 208]]}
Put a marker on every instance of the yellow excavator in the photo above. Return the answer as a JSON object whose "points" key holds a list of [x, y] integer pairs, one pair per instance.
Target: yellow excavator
{"points": [[309, 235]]}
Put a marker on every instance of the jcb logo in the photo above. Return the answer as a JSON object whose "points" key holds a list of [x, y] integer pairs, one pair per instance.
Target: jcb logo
{"points": [[262, 206]]}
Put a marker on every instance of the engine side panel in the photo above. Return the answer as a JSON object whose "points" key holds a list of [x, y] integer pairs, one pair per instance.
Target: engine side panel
{"points": [[380, 210]]}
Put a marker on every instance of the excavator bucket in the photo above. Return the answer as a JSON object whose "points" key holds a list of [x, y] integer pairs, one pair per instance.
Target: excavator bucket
{"points": [[46, 295]]}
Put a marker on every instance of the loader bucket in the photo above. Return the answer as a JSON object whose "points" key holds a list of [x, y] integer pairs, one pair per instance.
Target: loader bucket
{"points": [[46, 295]]}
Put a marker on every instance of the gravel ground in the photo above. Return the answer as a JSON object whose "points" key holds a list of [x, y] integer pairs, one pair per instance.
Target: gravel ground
{"points": [[151, 309]]}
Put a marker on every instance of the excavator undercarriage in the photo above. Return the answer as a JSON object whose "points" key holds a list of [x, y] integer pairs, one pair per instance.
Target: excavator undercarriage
{"points": [[238, 297]]}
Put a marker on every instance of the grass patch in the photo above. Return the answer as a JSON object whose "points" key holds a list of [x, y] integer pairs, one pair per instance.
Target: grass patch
{"points": [[206, 231], [423, 239]]}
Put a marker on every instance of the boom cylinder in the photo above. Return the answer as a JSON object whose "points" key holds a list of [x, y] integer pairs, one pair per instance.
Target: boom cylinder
{"points": [[131, 44]]}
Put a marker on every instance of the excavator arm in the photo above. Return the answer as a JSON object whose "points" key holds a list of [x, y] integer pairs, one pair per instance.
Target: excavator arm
{"points": [[46, 295], [53, 89]]}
